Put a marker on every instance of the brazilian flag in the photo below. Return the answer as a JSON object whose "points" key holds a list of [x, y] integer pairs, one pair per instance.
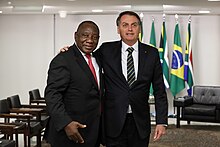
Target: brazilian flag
{"points": [[177, 82]]}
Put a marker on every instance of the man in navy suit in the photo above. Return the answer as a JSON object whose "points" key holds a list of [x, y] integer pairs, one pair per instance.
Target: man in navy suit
{"points": [[73, 92], [126, 108]]}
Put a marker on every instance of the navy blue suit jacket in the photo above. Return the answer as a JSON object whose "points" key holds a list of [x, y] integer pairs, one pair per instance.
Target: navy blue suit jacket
{"points": [[118, 95]]}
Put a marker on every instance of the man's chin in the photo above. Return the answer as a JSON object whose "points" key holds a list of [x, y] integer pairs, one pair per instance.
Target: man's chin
{"points": [[88, 50]]}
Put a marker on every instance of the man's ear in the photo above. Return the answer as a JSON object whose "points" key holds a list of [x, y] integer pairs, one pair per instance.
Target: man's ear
{"points": [[75, 35], [118, 31]]}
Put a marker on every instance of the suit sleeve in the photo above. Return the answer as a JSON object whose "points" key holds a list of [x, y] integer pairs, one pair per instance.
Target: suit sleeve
{"points": [[57, 83], [161, 104]]}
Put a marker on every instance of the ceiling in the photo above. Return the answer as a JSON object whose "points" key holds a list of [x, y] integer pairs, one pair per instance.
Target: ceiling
{"points": [[108, 6]]}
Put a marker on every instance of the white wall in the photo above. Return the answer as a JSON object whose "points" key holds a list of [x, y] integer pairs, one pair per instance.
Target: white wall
{"points": [[28, 44], [26, 49], [65, 28]]}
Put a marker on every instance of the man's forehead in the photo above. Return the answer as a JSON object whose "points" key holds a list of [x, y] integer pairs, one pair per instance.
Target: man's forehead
{"points": [[128, 18], [88, 28]]}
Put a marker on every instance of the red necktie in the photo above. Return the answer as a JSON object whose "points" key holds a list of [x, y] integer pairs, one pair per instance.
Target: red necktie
{"points": [[91, 66]]}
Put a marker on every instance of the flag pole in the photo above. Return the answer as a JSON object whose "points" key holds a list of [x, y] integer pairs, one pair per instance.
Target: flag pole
{"points": [[153, 18], [189, 19], [141, 24], [164, 17], [176, 18], [174, 97]]}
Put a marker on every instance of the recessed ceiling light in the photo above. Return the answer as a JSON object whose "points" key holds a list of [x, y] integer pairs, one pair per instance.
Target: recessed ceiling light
{"points": [[62, 14], [97, 10], [27, 8], [9, 3], [0, 12], [127, 6], [43, 8], [204, 11]]}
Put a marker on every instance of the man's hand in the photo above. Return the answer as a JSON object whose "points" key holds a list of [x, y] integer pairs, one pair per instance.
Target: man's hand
{"points": [[72, 131], [159, 131], [65, 48]]}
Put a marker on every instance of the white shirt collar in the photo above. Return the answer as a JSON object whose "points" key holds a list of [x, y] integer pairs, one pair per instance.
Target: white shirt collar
{"points": [[125, 46]]}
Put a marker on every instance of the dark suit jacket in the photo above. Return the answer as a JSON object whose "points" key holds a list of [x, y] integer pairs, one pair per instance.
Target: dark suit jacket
{"points": [[118, 95], [72, 94]]}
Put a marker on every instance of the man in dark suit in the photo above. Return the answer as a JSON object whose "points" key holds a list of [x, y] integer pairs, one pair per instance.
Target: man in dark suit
{"points": [[73, 92], [126, 108]]}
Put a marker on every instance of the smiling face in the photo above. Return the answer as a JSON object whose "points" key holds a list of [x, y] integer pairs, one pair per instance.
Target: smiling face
{"points": [[87, 37], [129, 29]]}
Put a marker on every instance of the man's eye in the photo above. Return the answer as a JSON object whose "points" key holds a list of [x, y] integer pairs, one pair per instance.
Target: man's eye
{"points": [[125, 25], [95, 37], [85, 35], [135, 24]]}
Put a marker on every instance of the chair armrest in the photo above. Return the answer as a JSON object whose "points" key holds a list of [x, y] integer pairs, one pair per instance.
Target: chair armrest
{"points": [[33, 111], [16, 116], [42, 101], [182, 101], [11, 126], [34, 106], [26, 110]]}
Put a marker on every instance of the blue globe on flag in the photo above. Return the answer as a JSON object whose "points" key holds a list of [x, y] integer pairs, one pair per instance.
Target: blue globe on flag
{"points": [[177, 61]]}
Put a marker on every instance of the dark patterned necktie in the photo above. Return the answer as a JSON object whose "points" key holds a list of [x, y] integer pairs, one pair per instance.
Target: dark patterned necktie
{"points": [[130, 67]]}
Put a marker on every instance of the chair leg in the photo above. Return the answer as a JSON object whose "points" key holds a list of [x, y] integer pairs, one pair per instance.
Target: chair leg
{"points": [[178, 118], [25, 140], [29, 141], [39, 139], [16, 139]]}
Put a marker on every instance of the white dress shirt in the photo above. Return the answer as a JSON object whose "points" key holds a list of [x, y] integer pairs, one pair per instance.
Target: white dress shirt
{"points": [[124, 54], [95, 64]]}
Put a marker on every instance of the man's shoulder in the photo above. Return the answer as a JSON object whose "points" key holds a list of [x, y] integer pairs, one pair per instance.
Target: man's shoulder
{"points": [[148, 47], [111, 43], [65, 55], [71, 51]]}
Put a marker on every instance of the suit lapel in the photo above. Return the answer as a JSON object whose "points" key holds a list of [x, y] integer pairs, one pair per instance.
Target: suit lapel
{"points": [[142, 59], [116, 62], [100, 68], [82, 63]]}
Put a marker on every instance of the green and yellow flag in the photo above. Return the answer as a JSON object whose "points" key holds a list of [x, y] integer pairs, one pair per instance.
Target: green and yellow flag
{"points": [[177, 82], [152, 35], [163, 52]]}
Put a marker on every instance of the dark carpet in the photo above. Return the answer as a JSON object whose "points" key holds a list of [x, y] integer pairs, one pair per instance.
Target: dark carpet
{"points": [[186, 136], [189, 136]]}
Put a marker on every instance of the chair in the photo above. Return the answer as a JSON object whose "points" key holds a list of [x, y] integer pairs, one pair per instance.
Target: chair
{"points": [[34, 125], [16, 103], [35, 97], [9, 128], [203, 106], [7, 143]]}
